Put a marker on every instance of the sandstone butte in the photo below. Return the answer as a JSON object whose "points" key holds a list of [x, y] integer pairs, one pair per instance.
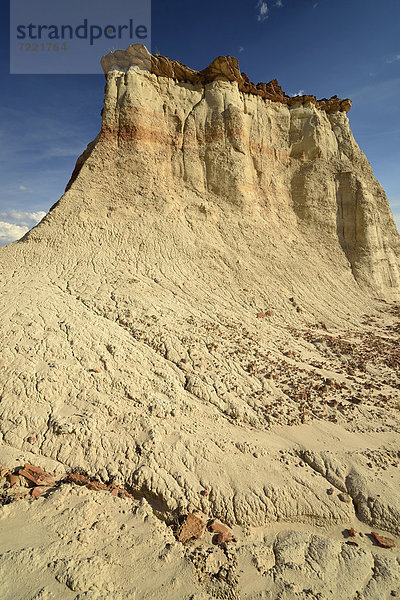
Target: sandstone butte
{"points": [[206, 322]]}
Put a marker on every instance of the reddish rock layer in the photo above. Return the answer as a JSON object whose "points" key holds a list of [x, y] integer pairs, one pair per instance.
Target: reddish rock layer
{"points": [[222, 67]]}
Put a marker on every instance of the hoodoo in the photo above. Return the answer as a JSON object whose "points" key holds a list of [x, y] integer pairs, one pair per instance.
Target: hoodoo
{"points": [[203, 331], [256, 147]]}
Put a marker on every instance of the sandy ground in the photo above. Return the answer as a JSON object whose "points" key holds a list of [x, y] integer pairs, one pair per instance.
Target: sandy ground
{"points": [[342, 463]]}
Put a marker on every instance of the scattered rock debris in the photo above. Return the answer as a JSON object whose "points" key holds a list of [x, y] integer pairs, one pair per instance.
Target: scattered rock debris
{"points": [[36, 475], [222, 531], [194, 527], [28, 481], [39, 481], [93, 484], [382, 541]]}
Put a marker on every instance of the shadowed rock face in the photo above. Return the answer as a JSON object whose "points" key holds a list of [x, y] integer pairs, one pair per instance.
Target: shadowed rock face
{"points": [[222, 67]]}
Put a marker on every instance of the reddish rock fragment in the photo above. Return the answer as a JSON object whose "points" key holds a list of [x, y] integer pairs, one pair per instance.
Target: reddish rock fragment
{"points": [[91, 484], [352, 532], [13, 479], [382, 541], [97, 486], [219, 527], [36, 475], [261, 315], [124, 494], [37, 491], [222, 538], [77, 479], [192, 527]]}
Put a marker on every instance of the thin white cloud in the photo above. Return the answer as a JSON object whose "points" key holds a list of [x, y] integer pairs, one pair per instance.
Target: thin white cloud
{"points": [[10, 232], [241, 49], [315, 5], [393, 59], [397, 221], [262, 8], [64, 151], [16, 223], [21, 218], [279, 3], [299, 93], [22, 188]]}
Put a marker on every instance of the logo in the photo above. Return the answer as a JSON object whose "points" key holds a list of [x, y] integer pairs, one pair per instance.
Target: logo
{"points": [[61, 37]]}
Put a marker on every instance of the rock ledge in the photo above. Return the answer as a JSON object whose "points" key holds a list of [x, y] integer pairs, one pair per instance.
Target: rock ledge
{"points": [[222, 67]]}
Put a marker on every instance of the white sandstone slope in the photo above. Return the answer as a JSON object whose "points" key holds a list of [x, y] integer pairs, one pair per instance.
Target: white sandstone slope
{"points": [[199, 312]]}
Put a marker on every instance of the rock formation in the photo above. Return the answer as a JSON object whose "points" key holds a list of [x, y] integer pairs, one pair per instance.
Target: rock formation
{"points": [[197, 321], [208, 128], [224, 68]]}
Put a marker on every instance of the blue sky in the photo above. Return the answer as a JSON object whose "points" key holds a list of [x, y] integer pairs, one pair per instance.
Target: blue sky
{"points": [[349, 48]]}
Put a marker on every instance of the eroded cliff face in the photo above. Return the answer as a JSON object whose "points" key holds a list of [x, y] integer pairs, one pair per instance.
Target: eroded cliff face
{"points": [[293, 157]]}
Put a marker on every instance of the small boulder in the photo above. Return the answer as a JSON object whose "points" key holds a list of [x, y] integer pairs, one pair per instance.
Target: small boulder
{"points": [[12, 479], [192, 527], [352, 532], [222, 538], [37, 491], [218, 527], [36, 475], [382, 541]]}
